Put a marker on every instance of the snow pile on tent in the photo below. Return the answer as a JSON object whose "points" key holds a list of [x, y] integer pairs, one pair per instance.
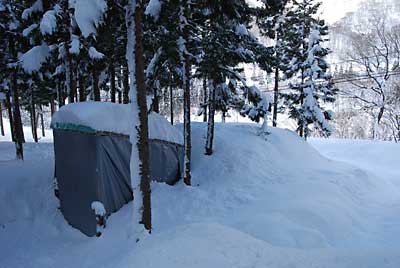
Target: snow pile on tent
{"points": [[111, 117]]}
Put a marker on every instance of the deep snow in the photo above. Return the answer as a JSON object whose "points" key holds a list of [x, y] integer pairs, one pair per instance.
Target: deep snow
{"points": [[254, 203]]}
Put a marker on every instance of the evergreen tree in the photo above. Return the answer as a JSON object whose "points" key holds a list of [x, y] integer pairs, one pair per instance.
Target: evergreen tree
{"points": [[308, 69]]}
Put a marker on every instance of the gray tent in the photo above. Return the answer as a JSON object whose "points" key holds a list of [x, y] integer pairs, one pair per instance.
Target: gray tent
{"points": [[92, 156]]}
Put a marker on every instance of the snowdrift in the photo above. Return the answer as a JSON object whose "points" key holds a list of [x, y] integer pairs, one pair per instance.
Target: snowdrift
{"points": [[257, 202]]}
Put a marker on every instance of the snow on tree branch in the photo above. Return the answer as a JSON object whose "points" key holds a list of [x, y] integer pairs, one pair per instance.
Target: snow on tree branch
{"points": [[89, 15]]}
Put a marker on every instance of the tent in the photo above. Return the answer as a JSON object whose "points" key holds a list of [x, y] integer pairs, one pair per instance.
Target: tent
{"points": [[92, 156]]}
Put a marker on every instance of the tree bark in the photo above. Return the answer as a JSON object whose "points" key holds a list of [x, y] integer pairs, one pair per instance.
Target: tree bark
{"points": [[52, 105], [95, 84], [10, 116], [82, 91], [156, 101], [111, 73], [125, 93], [18, 130], [33, 118], [1, 120], [205, 100], [42, 121], [61, 99], [186, 96], [140, 171], [171, 104], [276, 96], [210, 125]]}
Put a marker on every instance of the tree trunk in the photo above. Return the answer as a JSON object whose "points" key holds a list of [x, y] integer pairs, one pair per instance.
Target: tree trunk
{"points": [[33, 118], [10, 116], [52, 105], [61, 99], [276, 96], [171, 104], [1, 120], [82, 91], [111, 73], [210, 126], [156, 101], [125, 93], [72, 81], [18, 130], [205, 100], [42, 121], [186, 94], [140, 152], [95, 84]]}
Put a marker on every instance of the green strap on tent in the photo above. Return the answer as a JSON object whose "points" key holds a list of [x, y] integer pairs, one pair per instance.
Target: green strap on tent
{"points": [[75, 127]]}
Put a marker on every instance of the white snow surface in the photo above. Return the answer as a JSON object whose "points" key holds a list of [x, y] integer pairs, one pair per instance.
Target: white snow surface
{"points": [[112, 117], [257, 202]]}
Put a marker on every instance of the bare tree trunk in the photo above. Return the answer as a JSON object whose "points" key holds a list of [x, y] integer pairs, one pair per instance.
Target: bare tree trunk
{"points": [[156, 101], [18, 130], [72, 78], [10, 116], [125, 93], [61, 99], [276, 96], [138, 94], [205, 100], [186, 95], [111, 73], [171, 104], [52, 105], [42, 121], [210, 126], [82, 93], [1, 120], [33, 118], [95, 84]]}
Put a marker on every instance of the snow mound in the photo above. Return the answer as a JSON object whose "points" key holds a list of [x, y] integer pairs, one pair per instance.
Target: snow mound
{"points": [[112, 117], [270, 201]]}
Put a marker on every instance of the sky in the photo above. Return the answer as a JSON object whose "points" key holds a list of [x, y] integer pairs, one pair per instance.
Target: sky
{"points": [[333, 10]]}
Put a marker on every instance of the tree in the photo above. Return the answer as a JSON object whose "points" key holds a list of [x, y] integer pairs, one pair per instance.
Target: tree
{"points": [[308, 70], [377, 53], [272, 21], [10, 30], [140, 168], [226, 42], [185, 62]]}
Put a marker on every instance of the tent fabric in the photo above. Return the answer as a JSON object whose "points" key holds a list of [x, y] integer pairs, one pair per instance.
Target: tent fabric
{"points": [[92, 167]]}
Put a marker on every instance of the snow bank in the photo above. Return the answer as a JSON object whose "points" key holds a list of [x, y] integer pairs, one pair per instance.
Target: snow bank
{"points": [[111, 117], [256, 202]]}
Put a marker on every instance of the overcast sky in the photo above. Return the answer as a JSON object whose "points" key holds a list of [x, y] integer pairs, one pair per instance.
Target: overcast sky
{"points": [[334, 10]]}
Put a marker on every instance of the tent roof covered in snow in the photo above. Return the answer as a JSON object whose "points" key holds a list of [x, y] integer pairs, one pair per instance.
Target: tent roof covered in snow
{"points": [[92, 117]]}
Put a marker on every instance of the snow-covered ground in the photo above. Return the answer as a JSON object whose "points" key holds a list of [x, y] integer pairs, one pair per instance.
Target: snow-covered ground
{"points": [[274, 202]]}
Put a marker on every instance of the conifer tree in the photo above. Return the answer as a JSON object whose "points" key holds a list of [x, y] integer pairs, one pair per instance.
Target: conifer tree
{"points": [[304, 73]]}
